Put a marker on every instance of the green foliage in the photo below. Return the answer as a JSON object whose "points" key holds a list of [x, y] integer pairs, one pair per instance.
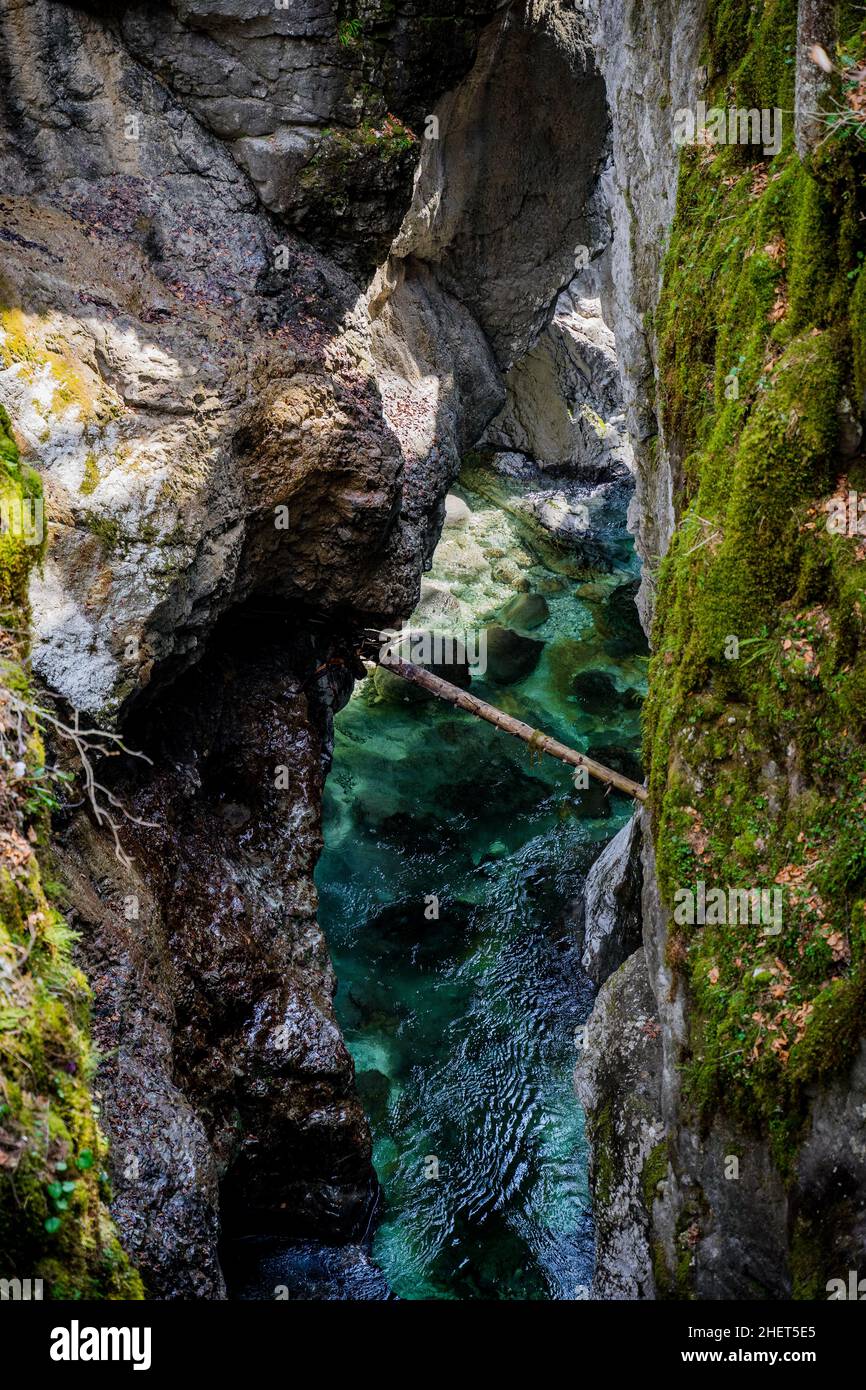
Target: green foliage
{"points": [[349, 31], [654, 1171]]}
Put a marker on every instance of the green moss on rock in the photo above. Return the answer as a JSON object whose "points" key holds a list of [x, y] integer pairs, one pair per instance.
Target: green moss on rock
{"points": [[54, 1220], [757, 759]]}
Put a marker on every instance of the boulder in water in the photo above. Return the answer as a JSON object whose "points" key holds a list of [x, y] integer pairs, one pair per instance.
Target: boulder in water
{"points": [[527, 611], [439, 652], [620, 759], [510, 655], [457, 512], [436, 604], [598, 694]]}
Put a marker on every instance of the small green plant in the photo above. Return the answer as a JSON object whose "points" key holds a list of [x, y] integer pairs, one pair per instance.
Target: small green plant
{"points": [[59, 1192], [90, 481], [41, 795], [763, 646], [349, 32]]}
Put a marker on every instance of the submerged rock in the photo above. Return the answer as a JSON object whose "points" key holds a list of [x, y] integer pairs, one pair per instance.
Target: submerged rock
{"points": [[510, 655], [597, 693], [621, 759], [526, 611], [265, 1270], [228, 1091], [457, 513], [436, 605], [438, 652]]}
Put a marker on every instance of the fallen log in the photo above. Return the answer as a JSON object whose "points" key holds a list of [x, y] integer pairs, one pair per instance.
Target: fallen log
{"points": [[542, 743]]}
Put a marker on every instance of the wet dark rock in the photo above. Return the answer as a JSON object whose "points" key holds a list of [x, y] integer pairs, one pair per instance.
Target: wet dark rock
{"points": [[597, 693], [228, 1091], [510, 655], [620, 758]]}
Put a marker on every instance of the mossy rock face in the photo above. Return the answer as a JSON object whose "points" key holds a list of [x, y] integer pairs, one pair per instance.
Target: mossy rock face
{"points": [[54, 1221], [754, 747]]}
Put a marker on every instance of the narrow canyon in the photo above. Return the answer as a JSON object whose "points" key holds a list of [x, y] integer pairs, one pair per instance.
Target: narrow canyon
{"points": [[322, 322]]}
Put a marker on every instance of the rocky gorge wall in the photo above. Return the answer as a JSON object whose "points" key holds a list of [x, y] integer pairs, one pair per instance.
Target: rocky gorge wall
{"points": [[243, 456], [729, 1163], [244, 441]]}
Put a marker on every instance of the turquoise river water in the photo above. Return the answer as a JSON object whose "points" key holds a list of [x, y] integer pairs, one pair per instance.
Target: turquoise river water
{"points": [[462, 1025]]}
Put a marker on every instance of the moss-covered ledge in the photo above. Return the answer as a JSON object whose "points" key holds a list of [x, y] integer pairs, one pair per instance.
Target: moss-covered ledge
{"points": [[54, 1219]]}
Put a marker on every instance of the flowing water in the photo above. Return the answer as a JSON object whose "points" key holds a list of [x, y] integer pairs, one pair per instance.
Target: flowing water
{"points": [[462, 1025], [451, 860]]}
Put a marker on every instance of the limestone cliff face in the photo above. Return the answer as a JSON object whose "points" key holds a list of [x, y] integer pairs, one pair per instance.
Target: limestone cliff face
{"points": [[322, 105], [228, 499], [244, 453], [649, 57], [179, 346]]}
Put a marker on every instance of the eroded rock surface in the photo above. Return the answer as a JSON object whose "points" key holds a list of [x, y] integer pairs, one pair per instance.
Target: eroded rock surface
{"points": [[321, 107], [245, 455], [501, 202], [612, 894], [229, 1094], [564, 397], [178, 382], [649, 56], [617, 1081]]}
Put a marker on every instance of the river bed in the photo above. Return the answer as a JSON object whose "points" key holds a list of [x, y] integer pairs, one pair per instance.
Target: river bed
{"points": [[453, 859]]}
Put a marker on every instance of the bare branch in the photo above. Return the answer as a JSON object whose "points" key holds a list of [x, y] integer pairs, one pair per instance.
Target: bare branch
{"points": [[89, 744]]}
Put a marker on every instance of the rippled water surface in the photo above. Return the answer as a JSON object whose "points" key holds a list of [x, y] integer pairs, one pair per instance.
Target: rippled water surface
{"points": [[462, 1025]]}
